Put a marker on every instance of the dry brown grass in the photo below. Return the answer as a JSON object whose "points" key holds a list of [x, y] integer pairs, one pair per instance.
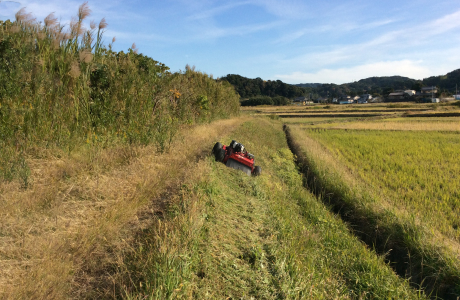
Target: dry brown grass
{"points": [[60, 237]]}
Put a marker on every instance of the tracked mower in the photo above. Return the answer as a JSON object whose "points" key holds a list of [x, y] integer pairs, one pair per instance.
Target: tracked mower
{"points": [[235, 156]]}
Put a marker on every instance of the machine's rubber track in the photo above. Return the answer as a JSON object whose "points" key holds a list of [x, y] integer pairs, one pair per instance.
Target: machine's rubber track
{"points": [[239, 166]]}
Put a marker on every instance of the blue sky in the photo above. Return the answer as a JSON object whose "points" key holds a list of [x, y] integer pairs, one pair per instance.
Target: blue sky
{"points": [[291, 40]]}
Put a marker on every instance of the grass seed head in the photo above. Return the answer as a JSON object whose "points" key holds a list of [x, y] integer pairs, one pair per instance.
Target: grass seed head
{"points": [[74, 70], [23, 17], [92, 25], [103, 24], [50, 20], [15, 29], [56, 44], [83, 11], [86, 56]]}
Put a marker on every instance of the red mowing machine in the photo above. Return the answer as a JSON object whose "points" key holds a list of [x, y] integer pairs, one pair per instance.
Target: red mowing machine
{"points": [[235, 156]]}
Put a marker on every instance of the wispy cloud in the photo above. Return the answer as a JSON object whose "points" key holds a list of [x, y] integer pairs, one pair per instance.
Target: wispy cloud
{"points": [[210, 13], [220, 32], [412, 69], [345, 27], [388, 45]]}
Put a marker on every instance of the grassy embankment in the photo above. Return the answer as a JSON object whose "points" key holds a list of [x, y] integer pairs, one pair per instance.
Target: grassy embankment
{"points": [[393, 187], [267, 237]]}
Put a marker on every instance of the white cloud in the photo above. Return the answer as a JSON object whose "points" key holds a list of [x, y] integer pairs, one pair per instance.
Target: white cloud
{"points": [[408, 68]]}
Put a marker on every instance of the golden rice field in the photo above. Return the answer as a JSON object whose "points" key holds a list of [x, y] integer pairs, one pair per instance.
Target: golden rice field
{"points": [[407, 124], [416, 170]]}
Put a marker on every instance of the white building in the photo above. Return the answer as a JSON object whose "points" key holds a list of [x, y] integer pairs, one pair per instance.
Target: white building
{"points": [[410, 92]]}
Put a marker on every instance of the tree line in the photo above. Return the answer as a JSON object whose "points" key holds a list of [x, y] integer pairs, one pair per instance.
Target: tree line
{"points": [[258, 92]]}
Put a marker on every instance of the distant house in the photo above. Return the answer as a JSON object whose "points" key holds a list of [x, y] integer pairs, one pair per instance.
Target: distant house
{"points": [[410, 92], [303, 100], [300, 99], [347, 101], [364, 98], [457, 97], [321, 100], [396, 96], [429, 90]]}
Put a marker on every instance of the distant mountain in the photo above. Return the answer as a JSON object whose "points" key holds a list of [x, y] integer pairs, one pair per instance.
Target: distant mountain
{"points": [[371, 85], [248, 87], [376, 86]]}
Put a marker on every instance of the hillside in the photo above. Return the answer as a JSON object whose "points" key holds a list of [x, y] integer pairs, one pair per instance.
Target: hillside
{"points": [[247, 87], [446, 82], [386, 84], [372, 85]]}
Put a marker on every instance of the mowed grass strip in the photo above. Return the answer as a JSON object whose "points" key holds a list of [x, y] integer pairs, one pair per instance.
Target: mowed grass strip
{"points": [[261, 237], [372, 193]]}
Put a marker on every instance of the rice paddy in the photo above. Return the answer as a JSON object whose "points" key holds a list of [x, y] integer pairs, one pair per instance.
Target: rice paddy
{"points": [[393, 172]]}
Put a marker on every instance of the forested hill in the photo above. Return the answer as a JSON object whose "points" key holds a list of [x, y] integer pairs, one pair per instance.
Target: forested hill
{"points": [[377, 86], [444, 82], [309, 85], [385, 85], [372, 85], [247, 87]]}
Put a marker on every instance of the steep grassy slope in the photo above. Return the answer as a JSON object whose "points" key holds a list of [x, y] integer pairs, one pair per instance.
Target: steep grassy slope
{"points": [[231, 236]]}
